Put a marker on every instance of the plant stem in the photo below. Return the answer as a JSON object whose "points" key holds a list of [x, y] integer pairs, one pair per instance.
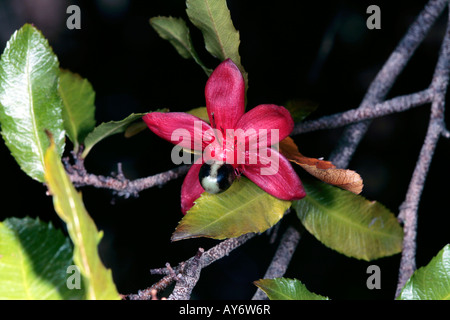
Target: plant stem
{"points": [[436, 127], [187, 273], [122, 186], [385, 79], [281, 259], [397, 104]]}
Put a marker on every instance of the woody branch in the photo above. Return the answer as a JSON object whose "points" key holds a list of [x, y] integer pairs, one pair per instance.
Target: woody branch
{"points": [[436, 127]]}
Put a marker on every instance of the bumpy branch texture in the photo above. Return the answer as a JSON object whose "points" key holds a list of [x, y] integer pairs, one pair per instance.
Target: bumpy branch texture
{"points": [[436, 128], [385, 79], [118, 183], [397, 104], [187, 273], [281, 259]]}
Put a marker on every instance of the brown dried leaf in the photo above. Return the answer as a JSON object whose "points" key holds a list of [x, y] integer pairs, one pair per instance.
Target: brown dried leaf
{"points": [[321, 169]]}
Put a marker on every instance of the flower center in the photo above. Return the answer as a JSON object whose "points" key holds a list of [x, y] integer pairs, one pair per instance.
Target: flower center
{"points": [[216, 177]]}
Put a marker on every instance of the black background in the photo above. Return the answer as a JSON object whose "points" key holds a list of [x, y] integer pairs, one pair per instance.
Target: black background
{"points": [[133, 70]]}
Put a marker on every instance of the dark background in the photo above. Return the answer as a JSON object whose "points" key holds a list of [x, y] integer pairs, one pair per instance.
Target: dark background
{"points": [[133, 70]]}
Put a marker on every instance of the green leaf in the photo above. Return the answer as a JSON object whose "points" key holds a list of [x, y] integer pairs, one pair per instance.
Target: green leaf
{"points": [[286, 289], [243, 208], [431, 282], [177, 33], [349, 223], [107, 129], [200, 112], [135, 128], [81, 228], [78, 111], [29, 100], [213, 18], [300, 109], [34, 258]]}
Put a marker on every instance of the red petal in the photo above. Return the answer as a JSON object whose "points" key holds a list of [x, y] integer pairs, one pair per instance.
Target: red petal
{"points": [[187, 130], [265, 118], [225, 94], [191, 188], [282, 183]]}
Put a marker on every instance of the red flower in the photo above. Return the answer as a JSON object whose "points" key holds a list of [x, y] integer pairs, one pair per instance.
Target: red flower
{"points": [[225, 105]]}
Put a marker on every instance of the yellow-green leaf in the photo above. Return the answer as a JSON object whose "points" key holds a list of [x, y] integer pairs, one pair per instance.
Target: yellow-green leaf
{"points": [[136, 127], [213, 18], [82, 229], [349, 223], [300, 109], [34, 258], [78, 112], [200, 112], [176, 32], [431, 282], [243, 208], [286, 289]]}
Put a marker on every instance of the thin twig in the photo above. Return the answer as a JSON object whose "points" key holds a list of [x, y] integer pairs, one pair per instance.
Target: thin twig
{"points": [[281, 259], [224, 248], [446, 133], [188, 272], [384, 80], [409, 208], [188, 279], [150, 293], [117, 182], [193, 266], [397, 104]]}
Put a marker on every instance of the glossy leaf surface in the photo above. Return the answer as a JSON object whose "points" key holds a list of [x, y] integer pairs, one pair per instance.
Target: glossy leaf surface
{"points": [[349, 223], [286, 289], [34, 258], [177, 33], [431, 282], [29, 100], [243, 208], [81, 228], [78, 111]]}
